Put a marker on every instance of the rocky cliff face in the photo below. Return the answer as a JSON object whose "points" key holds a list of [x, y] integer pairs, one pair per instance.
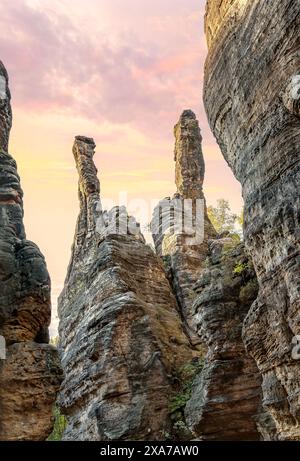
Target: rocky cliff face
{"points": [[30, 374], [226, 395], [252, 100], [121, 336], [182, 243]]}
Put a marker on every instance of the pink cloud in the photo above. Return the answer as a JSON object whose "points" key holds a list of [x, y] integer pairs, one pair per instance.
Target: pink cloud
{"points": [[54, 66]]}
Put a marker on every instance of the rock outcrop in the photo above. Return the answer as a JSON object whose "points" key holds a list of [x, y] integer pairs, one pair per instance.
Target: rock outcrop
{"points": [[30, 375], [251, 95], [182, 241], [226, 395], [121, 335]]}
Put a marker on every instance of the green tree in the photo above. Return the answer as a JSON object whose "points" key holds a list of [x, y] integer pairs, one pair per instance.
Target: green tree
{"points": [[223, 219]]}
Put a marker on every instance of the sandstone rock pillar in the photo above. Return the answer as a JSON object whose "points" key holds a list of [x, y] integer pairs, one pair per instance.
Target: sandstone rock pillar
{"points": [[30, 372], [121, 336], [182, 253]]}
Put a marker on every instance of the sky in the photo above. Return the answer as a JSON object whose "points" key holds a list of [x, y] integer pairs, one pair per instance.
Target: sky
{"points": [[120, 71]]}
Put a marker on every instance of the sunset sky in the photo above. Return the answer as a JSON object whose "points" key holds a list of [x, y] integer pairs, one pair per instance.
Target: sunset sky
{"points": [[120, 71]]}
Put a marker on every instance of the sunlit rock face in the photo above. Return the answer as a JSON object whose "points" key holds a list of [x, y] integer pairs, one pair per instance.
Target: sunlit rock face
{"points": [[251, 95], [30, 374], [184, 248], [121, 335]]}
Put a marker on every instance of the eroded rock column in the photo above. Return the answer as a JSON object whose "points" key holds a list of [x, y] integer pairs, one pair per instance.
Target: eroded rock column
{"points": [[251, 97], [121, 336], [184, 249], [30, 374]]}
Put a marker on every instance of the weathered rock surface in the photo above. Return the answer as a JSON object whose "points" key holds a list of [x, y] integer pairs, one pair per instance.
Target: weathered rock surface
{"points": [[226, 395], [121, 334], [30, 375], [183, 244], [29, 385], [251, 96]]}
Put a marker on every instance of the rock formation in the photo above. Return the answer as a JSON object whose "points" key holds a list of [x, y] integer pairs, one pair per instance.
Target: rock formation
{"points": [[30, 374], [251, 95], [121, 336], [182, 243], [215, 284], [226, 395]]}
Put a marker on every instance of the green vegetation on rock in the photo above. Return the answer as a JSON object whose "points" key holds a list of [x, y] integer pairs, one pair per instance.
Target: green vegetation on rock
{"points": [[224, 220], [60, 424], [240, 267], [184, 377]]}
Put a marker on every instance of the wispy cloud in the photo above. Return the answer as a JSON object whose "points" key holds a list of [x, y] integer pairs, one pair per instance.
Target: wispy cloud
{"points": [[123, 77], [118, 70]]}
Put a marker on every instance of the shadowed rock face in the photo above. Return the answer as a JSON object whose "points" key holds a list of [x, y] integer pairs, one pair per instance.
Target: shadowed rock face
{"points": [[30, 375], [251, 96], [121, 335], [226, 396], [183, 256]]}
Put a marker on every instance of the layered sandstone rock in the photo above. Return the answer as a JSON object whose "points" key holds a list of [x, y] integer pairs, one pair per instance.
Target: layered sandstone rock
{"points": [[252, 100], [30, 374], [226, 396], [121, 335], [182, 243], [29, 382]]}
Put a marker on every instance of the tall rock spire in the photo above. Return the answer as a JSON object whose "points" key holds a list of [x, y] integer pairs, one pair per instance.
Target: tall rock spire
{"points": [[189, 161], [251, 95], [11, 194], [30, 373], [88, 185], [88, 195], [5, 109], [214, 300], [121, 335], [184, 245]]}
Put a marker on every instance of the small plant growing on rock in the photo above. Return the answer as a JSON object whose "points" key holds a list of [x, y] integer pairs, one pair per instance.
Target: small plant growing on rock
{"points": [[60, 424], [184, 377], [239, 268]]}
